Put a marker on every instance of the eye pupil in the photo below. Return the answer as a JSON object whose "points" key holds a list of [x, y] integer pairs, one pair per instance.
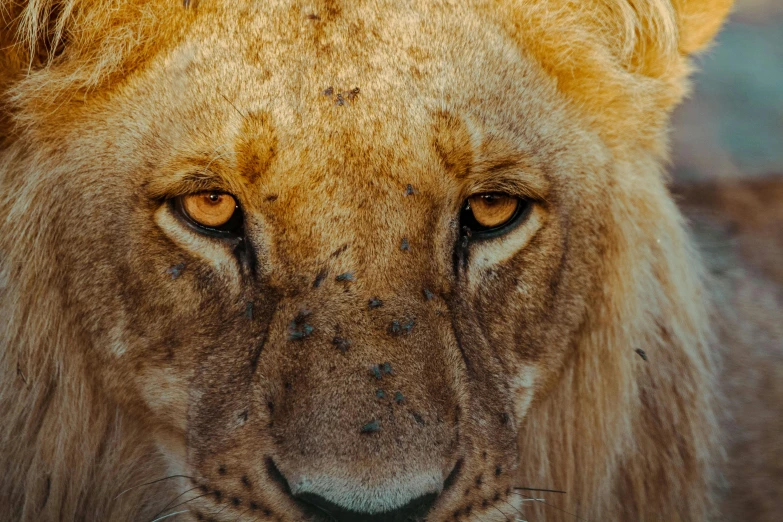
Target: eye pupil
{"points": [[214, 197]]}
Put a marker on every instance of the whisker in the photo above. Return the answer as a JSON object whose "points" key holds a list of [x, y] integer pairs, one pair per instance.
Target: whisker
{"points": [[219, 156], [244, 116], [174, 500], [151, 482], [553, 507], [182, 504], [217, 148], [214, 156], [544, 490], [499, 511], [171, 515], [514, 508]]}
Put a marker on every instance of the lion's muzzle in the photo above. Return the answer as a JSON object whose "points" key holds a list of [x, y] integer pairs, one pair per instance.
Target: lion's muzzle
{"points": [[357, 399]]}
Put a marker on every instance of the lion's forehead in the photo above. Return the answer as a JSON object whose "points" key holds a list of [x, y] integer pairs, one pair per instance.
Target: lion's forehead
{"points": [[377, 75], [337, 106]]}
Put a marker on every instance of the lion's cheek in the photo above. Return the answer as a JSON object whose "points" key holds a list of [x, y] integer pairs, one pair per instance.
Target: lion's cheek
{"points": [[492, 254], [214, 253], [164, 394], [522, 391]]}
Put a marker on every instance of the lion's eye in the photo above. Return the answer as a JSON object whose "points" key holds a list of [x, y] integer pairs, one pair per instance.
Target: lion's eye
{"points": [[215, 212], [492, 214], [492, 210]]}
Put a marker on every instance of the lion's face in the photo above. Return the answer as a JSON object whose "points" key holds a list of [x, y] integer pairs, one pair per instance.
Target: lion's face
{"points": [[353, 339]]}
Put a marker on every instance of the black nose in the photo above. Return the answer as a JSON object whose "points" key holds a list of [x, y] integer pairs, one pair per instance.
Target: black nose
{"points": [[412, 511]]}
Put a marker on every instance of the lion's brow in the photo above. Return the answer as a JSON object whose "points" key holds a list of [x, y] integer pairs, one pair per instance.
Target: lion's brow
{"points": [[193, 176]]}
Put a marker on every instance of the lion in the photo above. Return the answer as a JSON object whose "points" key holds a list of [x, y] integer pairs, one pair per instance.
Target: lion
{"points": [[381, 261]]}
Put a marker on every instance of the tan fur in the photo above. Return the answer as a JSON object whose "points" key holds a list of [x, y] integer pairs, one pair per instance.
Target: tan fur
{"points": [[135, 348]]}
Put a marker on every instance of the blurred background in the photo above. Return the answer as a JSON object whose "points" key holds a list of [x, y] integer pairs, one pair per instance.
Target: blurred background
{"points": [[727, 144], [732, 125]]}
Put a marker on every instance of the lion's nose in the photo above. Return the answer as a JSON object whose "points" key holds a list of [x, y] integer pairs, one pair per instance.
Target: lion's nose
{"points": [[346, 500], [416, 509]]}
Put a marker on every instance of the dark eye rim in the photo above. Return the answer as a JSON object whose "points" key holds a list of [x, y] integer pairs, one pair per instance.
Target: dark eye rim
{"points": [[232, 229], [471, 228]]}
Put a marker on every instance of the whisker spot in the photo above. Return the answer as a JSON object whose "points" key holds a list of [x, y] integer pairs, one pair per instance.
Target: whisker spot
{"points": [[176, 270], [371, 427]]}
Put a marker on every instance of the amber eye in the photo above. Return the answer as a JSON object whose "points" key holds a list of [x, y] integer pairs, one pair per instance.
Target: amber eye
{"points": [[213, 211], [491, 214], [492, 210]]}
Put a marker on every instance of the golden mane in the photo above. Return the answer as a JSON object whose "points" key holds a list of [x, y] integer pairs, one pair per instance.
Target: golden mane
{"points": [[612, 424]]}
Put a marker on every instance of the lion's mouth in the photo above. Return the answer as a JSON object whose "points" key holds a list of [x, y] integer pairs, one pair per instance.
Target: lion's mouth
{"points": [[322, 500], [325, 510]]}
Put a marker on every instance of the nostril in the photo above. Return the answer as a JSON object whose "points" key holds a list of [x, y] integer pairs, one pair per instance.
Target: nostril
{"points": [[413, 510]]}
